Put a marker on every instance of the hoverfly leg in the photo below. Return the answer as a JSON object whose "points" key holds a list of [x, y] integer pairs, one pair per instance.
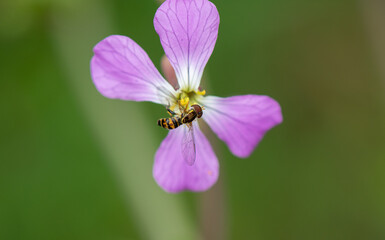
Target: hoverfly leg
{"points": [[170, 112]]}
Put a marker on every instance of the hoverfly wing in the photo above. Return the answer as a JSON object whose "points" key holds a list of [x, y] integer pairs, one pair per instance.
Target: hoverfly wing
{"points": [[188, 145]]}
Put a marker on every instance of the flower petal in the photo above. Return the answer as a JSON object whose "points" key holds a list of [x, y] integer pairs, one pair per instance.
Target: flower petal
{"points": [[188, 30], [241, 121], [121, 69], [174, 174]]}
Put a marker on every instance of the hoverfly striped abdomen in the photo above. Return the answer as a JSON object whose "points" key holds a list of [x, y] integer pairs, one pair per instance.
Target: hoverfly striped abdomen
{"points": [[170, 123]]}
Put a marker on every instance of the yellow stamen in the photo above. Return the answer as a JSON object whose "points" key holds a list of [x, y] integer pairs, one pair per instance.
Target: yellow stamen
{"points": [[202, 93], [184, 102]]}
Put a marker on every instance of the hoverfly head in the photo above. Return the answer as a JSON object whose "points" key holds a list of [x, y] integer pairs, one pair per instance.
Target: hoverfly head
{"points": [[198, 109]]}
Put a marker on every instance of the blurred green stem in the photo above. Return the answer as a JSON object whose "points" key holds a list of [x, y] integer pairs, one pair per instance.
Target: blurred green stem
{"points": [[374, 17], [158, 215]]}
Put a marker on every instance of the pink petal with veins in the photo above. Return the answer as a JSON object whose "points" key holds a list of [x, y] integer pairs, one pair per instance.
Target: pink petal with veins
{"points": [[241, 121], [188, 30], [174, 174], [121, 69]]}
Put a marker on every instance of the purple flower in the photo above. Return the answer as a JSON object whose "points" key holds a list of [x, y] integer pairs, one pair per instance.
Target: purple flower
{"points": [[188, 30]]}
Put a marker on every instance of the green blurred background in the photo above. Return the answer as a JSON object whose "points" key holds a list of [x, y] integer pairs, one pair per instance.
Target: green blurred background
{"points": [[75, 165]]}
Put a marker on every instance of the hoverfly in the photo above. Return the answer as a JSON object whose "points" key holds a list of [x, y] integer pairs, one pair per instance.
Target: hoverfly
{"points": [[186, 118]]}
